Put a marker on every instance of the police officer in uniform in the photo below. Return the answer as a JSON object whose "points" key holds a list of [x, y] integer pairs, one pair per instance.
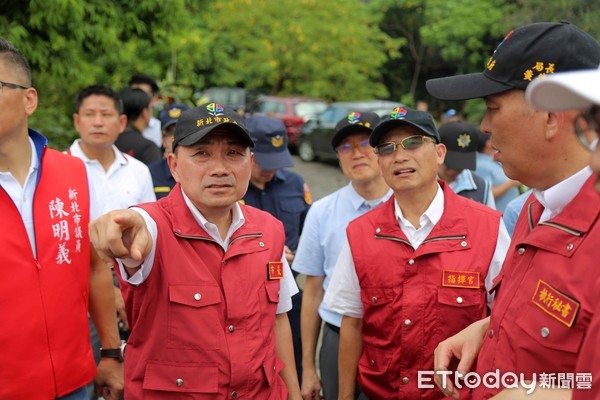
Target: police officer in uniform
{"points": [[283, 194]]}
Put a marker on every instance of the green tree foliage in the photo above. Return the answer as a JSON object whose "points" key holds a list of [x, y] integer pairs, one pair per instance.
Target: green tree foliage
{"points": [[327, 49]]}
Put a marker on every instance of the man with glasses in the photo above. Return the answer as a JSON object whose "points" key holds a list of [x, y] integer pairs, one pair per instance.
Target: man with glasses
{"points": [[546, 293], [413, 271], [578, 91], [321, 242], [51, 275]]}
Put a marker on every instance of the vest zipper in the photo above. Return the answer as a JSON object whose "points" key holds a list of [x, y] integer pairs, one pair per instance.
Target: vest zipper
{"points": [[396, 239], [195, 237], [249, 235], [436, 239], [562, 228]]}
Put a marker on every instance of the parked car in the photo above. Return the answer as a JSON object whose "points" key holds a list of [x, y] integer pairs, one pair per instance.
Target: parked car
{"points": [[315, 141], [293, 111]]}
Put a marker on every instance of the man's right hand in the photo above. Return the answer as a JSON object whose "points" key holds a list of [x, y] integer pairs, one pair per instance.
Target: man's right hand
{"points": [[465, 346], [311, 385], [121, 234]]}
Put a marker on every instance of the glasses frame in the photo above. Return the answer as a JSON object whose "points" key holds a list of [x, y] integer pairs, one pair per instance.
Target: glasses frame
{"points": [[351, 147], [12, 85], [402, 144], [591, 119]]}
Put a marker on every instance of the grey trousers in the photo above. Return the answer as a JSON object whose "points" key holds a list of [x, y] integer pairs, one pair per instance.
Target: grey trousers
{"points": [[328, 364]]}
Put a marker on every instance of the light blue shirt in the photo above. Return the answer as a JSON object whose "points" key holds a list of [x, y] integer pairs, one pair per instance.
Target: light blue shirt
{"points": [[491, 170], [464, 181], [512, 211], [324, 235]]}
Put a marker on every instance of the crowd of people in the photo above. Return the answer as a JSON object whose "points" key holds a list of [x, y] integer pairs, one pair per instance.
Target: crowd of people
{"points": [[156, 258]]}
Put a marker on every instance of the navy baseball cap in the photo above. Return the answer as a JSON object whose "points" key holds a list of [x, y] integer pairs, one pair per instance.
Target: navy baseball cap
{"points": [[198, 122], [353, 123], [169, 115], [461, 139], [530, 51], [271, 142], [404, 116]]}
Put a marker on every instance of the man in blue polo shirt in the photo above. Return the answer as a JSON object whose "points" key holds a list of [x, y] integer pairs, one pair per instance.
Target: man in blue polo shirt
{"points": [[322, 239], [281, 193]]}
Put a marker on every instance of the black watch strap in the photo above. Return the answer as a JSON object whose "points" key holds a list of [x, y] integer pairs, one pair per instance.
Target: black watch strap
{"points": [[111, 353]]}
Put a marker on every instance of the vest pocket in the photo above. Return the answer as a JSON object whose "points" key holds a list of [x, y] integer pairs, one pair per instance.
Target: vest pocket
{"points": [[194, 312], [549, 332], [375, 360], [456, 309], [181, 377]]}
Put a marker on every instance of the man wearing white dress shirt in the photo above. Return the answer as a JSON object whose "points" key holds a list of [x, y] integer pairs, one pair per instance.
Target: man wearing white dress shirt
{"points": [[117, 180], [414, 270]]}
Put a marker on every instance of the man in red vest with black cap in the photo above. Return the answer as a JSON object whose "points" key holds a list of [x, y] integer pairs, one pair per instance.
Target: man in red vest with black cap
{"points": [[205, 278], [545, 295]]}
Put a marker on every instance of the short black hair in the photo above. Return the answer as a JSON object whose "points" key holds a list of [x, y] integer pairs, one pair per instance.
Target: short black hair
{"points": [[12, 55], [99, 90], [134, 102], [144, 79]]}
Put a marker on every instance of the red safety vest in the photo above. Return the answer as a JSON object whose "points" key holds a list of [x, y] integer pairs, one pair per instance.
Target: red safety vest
{"points": [[44, 331], [203, 320], [414, 299], [545, 294]]}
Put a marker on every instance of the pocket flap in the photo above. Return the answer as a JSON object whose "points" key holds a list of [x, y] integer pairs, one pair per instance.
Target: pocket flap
{"points": [[182, 377], [460, 297], [549, 332], [272, 289], [375, 297], [195, 295]]}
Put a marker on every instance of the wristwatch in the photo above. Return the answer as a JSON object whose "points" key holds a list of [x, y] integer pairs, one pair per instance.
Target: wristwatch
{"points": [[112, 353]]}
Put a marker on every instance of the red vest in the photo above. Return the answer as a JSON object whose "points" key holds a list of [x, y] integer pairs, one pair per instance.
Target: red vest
{"points": [[413, 299], [44, 332], [545, 294], [203, 321]]}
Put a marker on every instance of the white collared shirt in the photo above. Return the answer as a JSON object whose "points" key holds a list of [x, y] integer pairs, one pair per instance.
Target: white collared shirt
{"points": [[343, 295], [288, 286], [153, 131], [555, 198], [126, 183], [22, 196]]}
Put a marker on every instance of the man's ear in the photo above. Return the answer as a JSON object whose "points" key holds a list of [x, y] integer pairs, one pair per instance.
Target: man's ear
{"points": [[172, 162]]}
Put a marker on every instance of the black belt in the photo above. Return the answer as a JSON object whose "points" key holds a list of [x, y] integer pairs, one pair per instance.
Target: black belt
{"points": [[333, 327]]}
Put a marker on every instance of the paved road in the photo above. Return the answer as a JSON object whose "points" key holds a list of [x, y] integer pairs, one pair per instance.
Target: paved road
{"points": [[322, 178]]}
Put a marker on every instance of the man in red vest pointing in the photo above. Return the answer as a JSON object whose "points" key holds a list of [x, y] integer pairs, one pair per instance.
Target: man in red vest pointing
{"points": [[205, 279]]}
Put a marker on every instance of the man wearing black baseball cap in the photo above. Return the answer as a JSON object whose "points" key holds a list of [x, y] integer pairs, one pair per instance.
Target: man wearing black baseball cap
{"points": [[320, 245], [542, 308], [461, 141], [283, 194], [205, 278], [411, 268]]}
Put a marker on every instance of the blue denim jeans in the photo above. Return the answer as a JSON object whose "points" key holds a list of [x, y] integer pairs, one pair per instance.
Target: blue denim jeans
{"points": [[79, 394]]}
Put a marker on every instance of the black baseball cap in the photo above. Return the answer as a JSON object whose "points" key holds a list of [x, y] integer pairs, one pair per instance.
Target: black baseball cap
{"points": [[530, 51], [169, 115], [198, 122], [404, 116], [271, 142], [354, 122], [461, 139]]}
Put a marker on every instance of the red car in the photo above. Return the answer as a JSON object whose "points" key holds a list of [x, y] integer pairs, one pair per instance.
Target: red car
{"points": [[294, 111]]}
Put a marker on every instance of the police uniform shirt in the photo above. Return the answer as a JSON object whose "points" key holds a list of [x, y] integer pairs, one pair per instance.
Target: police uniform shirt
{"points": [[162, 178], [284, 197]]}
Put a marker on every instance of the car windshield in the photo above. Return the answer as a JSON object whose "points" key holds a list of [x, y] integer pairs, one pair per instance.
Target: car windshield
{"points": [[305, 109]]}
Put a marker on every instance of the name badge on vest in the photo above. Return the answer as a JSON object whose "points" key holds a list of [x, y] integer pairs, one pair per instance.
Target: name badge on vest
{"points": [[461, 279], [555, 304], [275, 269]]}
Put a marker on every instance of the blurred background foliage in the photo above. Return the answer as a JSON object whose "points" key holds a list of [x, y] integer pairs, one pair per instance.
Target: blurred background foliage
{"points": [[330, 49]]}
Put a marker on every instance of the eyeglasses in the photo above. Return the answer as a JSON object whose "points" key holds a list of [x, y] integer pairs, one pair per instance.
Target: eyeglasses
{"points": [[348, 147], [587, 127], [11, 85], [409, 143]]}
